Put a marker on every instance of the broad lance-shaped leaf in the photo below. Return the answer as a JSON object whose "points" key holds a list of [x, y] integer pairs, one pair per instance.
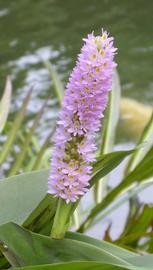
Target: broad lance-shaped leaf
{"points": [[113, 249], [108, 131], [142, 172], [12, 134], [25, 190], [23, 248], [5, 103], [83, 265]]}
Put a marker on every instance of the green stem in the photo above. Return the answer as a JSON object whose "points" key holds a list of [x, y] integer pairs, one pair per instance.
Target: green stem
{"points": [[61, 220]]}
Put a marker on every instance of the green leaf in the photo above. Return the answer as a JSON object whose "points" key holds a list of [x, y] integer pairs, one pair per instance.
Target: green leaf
{"points": [[142, 172], [23, 248], [108, 131], [3, 262], [38, 160], [131, 193], [82, 265], [146, 136], [22, 154], [107, 163], [16, 125], [5, 103], [72, 265], [58, 86], [21, 194], [106, 246], [42, 216], [138, 226]]}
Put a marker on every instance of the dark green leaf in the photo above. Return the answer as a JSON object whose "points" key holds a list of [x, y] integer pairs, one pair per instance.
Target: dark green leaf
{"points": [[25, 248]]}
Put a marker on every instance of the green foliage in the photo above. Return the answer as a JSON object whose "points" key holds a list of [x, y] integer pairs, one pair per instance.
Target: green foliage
{"points": [[19, 247], [31, 155], [22, 244], [23, 198]]}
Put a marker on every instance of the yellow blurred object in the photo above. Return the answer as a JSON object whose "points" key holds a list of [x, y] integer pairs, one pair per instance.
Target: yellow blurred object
{"points": [[133, 117]]}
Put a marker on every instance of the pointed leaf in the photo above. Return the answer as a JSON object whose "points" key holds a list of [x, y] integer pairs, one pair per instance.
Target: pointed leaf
{"points": [[59, 90], [5, 103]]}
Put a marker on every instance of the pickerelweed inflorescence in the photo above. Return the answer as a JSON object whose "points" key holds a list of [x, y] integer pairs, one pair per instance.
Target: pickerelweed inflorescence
{"points": [[84, 102]]}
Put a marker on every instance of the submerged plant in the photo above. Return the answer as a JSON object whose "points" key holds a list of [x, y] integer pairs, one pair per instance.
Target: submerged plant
{"points": [[83, 105]]}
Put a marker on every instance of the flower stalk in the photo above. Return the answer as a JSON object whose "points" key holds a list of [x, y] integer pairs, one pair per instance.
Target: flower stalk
{"points": [[61, 220]]}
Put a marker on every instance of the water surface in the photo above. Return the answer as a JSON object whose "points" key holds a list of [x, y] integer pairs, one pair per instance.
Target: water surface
{"points": [[54, 30]]}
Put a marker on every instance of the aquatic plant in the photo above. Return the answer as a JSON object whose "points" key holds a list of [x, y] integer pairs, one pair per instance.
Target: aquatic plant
{"points": [[83, 105], [28, 244]]}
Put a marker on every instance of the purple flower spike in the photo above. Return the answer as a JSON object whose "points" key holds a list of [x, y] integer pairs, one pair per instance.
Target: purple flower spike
{"points": [[85, 100]]}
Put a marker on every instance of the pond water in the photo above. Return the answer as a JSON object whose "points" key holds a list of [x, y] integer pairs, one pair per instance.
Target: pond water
{"points": [[53, 29]]}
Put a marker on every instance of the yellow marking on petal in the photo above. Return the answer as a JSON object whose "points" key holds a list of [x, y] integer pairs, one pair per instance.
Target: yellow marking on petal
{"points": [[82, 78], [105, 64], [86, 89], [94, 56], [90, 76], [101, 53], [97, 69], [104, 37], [72, 165]]}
